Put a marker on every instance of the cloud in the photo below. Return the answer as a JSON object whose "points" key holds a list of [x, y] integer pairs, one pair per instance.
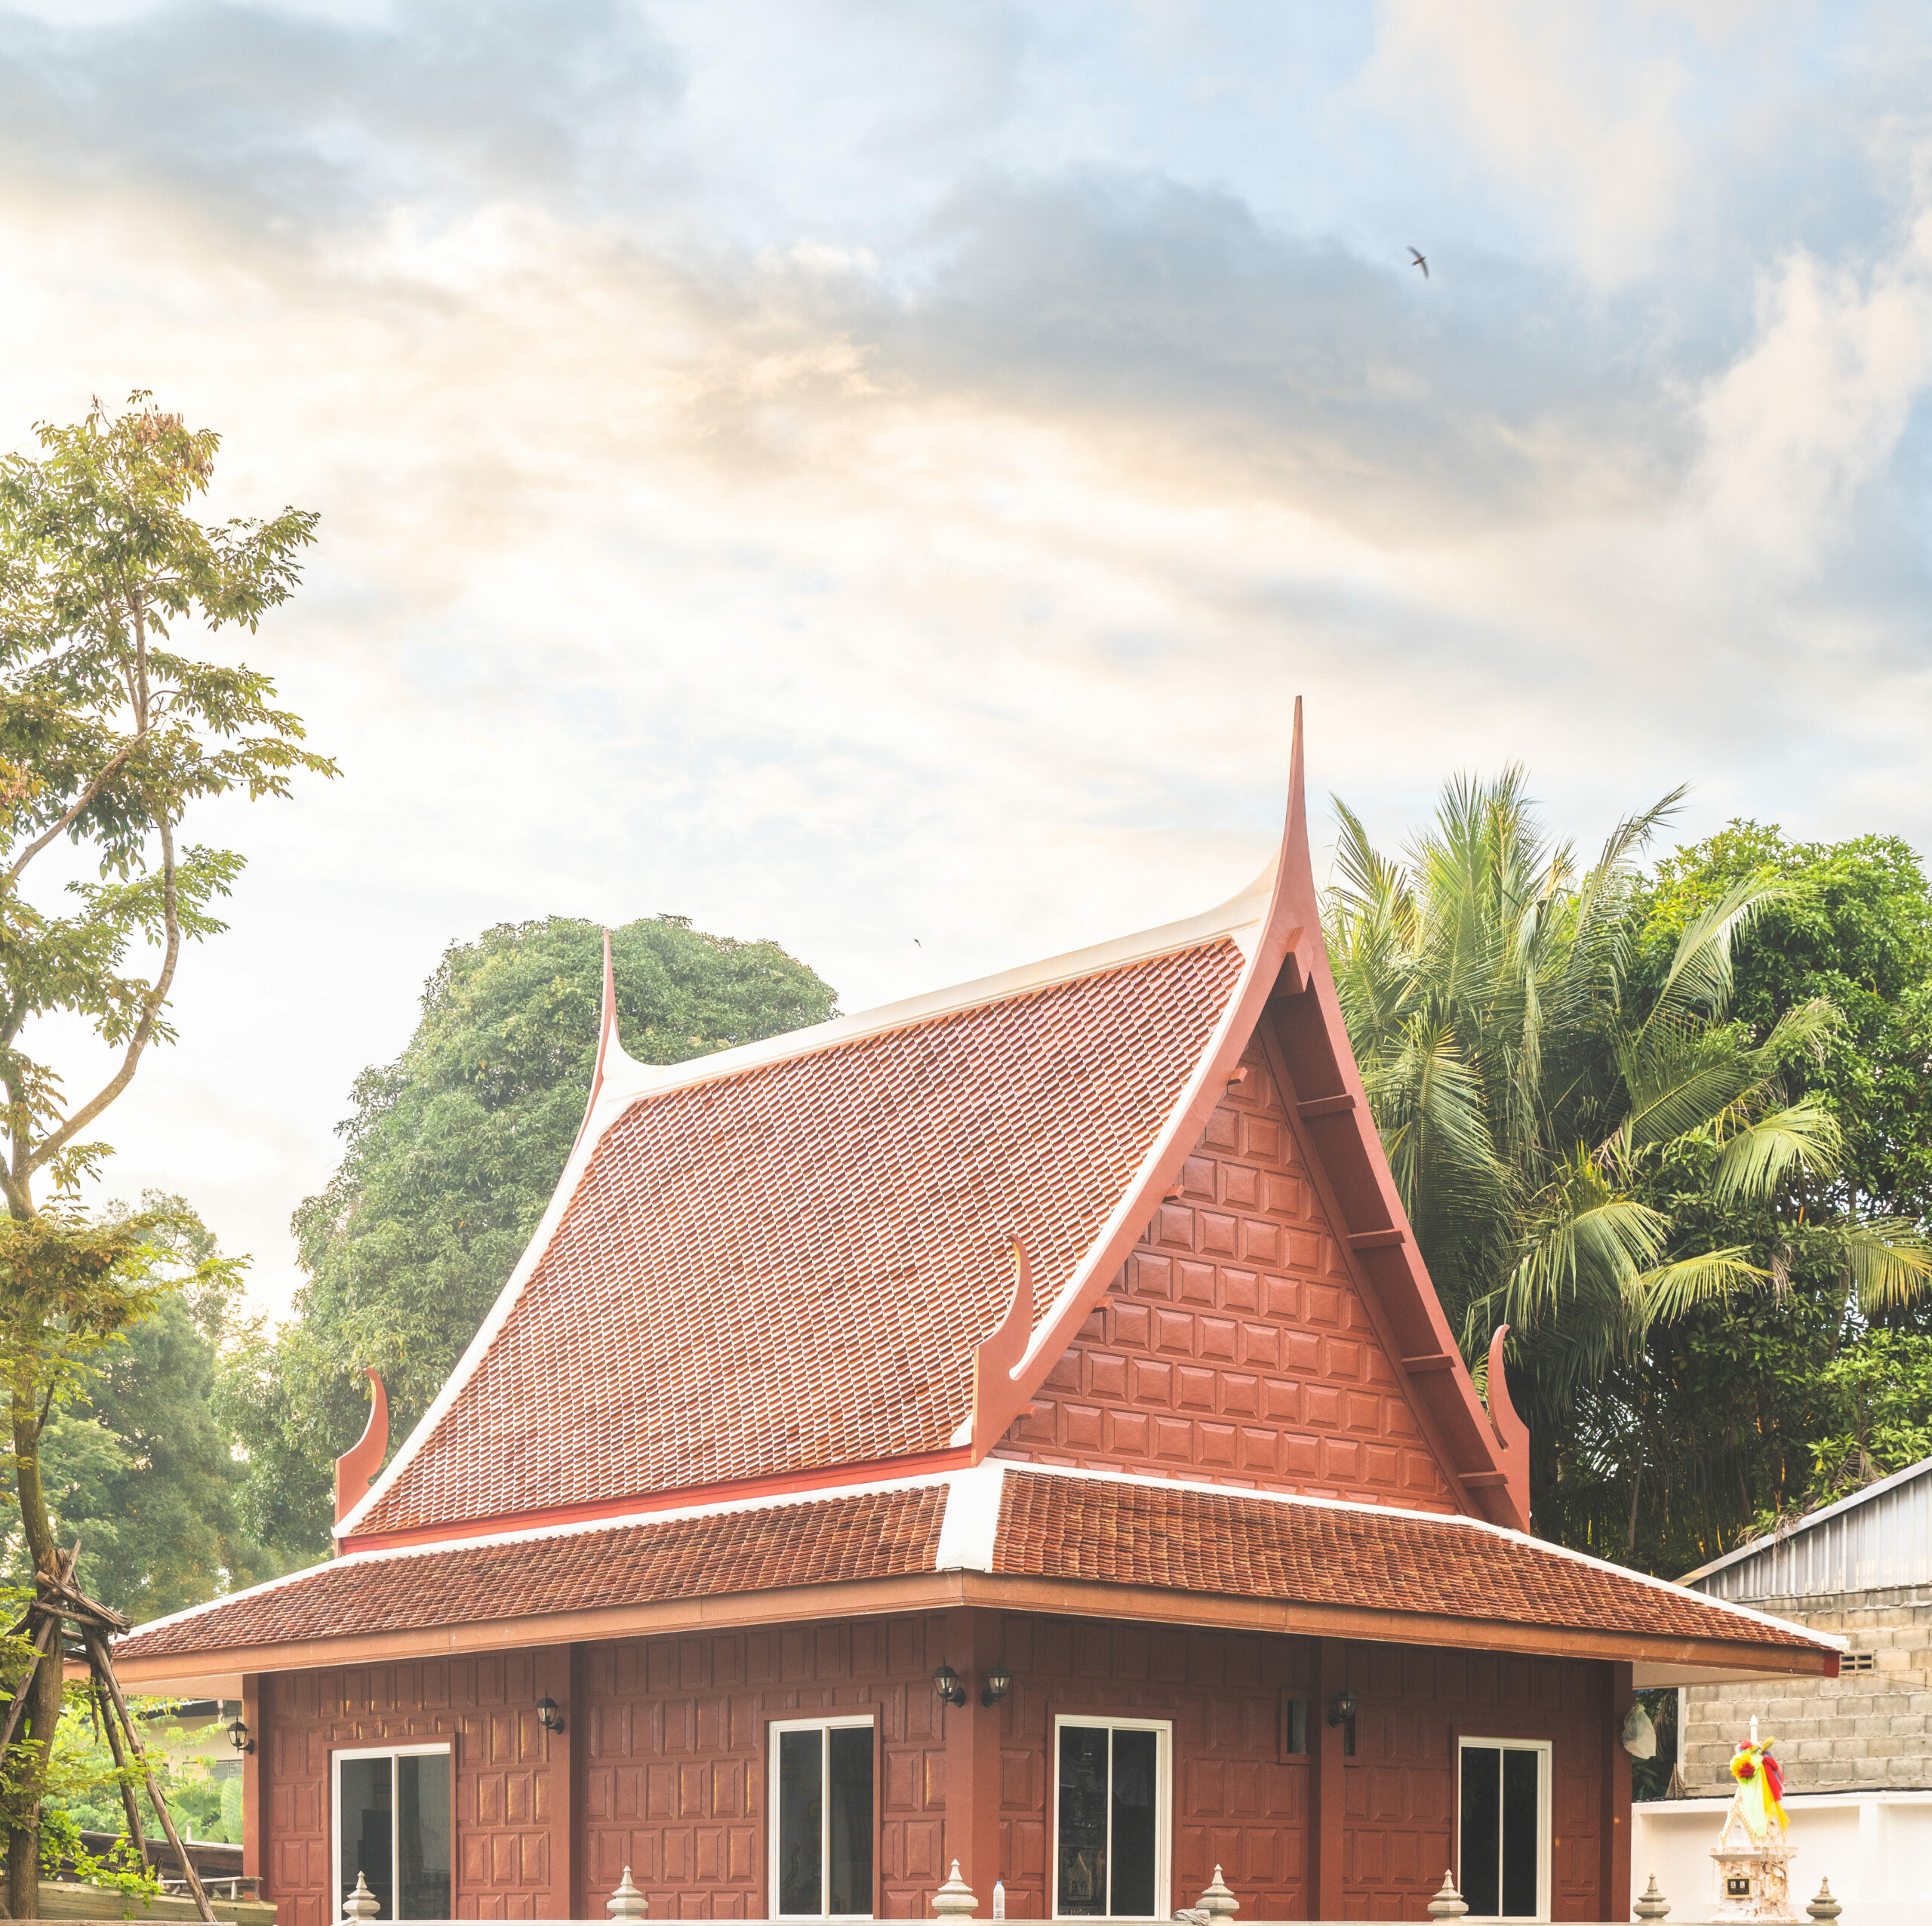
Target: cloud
{"points": [[849, 475]]}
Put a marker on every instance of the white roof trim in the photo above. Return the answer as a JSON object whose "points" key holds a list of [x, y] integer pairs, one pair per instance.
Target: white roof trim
{"points": [[972, 1519], [1863, 1496], [625, 1081], [576, 1528], [1831, 1640]]}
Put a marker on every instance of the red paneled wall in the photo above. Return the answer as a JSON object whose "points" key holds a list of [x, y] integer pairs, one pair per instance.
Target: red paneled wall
{"points": [[509, 1863], [674, 1732], [669, 1740], [1235, 1345], [1237, 1804], [1400, 1786]]}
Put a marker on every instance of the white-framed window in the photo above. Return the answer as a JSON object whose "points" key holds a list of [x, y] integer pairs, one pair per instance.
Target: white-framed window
{"points": [[821, 1822], [1502, 1803], [390, 1816], [1113, 1805]]}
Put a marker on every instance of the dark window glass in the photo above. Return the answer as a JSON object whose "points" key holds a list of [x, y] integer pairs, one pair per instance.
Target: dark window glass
{"points": [[1081, 1875], [423, 1835], [1482, 1819], [1131, 1872], [801, 1776], [1294, 1728], [1521, 1825], [851, 1870], [366, 1818]]}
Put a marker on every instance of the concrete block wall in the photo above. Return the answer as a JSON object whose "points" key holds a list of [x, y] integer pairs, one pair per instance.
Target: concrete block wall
{"points": [[1866, 1731]]}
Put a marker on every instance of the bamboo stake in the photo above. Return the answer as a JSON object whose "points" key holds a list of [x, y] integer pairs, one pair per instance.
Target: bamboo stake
{"points": [[24, 1691], [129, 1804], [103, 1670]]}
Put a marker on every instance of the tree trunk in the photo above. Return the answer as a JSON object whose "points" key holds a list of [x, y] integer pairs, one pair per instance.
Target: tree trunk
{"points": [[24, 1827], [32, 1750]]}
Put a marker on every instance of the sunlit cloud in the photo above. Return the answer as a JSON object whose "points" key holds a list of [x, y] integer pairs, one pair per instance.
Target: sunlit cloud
{"points": [[878, 477]]}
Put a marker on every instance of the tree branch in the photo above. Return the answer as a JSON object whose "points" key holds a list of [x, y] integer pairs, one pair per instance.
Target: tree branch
{"points": [[92, 790], [144, 1031]]}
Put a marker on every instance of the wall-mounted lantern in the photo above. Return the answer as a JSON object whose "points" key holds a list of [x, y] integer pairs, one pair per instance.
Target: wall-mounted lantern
{"points": [[1342, 1709], [946, 1683], [238, 1736], [548, 1716], [999, 1682]]}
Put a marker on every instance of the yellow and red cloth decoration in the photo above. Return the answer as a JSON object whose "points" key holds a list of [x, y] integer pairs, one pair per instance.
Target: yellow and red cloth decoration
{"points": [[1760, 1788]]}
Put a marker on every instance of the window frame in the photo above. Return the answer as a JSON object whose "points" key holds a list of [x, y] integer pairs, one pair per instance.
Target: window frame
{"points": [[1546, 1806], [411, 1748], [823, 1722], [1163, 1730]]}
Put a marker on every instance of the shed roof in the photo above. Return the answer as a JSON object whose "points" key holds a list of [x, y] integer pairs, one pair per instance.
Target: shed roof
{"points": [[1877, 1538]]}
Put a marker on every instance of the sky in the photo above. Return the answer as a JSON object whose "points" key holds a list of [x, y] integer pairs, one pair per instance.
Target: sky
{"points": [[876, 476]]}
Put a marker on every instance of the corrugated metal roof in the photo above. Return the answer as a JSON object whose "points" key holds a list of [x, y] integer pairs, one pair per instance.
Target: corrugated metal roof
{"points": [[1875, 1539]]}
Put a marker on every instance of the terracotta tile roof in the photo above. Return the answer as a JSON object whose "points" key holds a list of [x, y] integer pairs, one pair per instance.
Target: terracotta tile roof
{"points": [[1048, 1525], [875, 1534], [1055, 1526], [788, 1268]]}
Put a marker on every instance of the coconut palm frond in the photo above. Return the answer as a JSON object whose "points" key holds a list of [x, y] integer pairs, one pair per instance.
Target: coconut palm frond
{"points": [[1804, 1136], [1668, 1290], [1700, 980], [1890, 1262]]}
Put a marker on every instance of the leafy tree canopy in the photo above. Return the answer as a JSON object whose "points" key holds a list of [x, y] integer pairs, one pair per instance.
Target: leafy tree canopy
{"points": [[137, 1466], [1670, 1128], [453, 1151], [110, 729]]}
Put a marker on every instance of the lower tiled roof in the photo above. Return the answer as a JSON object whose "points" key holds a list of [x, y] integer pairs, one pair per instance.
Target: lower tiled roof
{"points": [[1051, 1524], [872, 1534], [1188, 1540]]}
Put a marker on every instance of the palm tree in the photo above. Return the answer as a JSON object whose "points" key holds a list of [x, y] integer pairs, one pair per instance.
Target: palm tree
{"points": [[1544, 1096]]}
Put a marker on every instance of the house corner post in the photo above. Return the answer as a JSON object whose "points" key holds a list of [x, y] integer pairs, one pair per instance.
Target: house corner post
{"points": [[1614, 1880], [973, 1637], [1328, 1819], [254, 1787]]}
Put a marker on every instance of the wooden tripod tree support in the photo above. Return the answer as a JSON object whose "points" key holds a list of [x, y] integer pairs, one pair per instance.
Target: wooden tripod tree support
{"points": [[56, 1601]]}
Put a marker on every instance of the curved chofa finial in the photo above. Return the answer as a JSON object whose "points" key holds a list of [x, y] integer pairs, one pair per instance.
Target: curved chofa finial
{"points": [[356, 1470], [1286, 991], [1511, 1432], [609, 1051]]}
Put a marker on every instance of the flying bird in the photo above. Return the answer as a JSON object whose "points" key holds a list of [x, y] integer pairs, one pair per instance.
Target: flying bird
{"points": [[1420, 260]]}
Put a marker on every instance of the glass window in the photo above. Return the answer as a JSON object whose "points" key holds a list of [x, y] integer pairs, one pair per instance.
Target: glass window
{"points": [[392, 1829], [1110, 1821], [822, 1820], [1503, 1827]]}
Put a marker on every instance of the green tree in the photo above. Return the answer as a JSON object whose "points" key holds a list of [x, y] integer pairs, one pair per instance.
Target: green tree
{"points": [[1591, 1147], [138, 1467], [453, 1151], [109, 734]]}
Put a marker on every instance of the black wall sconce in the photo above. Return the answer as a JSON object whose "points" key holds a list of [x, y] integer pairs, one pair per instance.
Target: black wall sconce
{"points": [[999, 1680], [1342, 1709], [238, 1737], [946, 1683], [548, 1716]]}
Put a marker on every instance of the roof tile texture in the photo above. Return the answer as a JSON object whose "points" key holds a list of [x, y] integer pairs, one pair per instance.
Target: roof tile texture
{"points": [[789, 1268], [1057, 1527], [874, 1534]]}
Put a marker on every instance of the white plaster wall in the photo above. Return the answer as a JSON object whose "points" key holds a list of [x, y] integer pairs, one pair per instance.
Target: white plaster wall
{"points": [[1874, 1847]]}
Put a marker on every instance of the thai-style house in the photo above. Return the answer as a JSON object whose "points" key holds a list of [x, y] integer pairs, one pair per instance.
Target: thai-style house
{"points": [[1015, 1425]]}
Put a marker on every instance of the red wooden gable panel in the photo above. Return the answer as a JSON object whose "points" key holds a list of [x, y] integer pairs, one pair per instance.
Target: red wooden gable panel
{"points": [[1235, 1344]]}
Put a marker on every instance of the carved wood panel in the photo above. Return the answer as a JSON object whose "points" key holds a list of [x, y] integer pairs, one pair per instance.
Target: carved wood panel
{"points": [[509, 1861], [1235, 1345], [1236, 1803], [1400, 1787], [675, 1733]]}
